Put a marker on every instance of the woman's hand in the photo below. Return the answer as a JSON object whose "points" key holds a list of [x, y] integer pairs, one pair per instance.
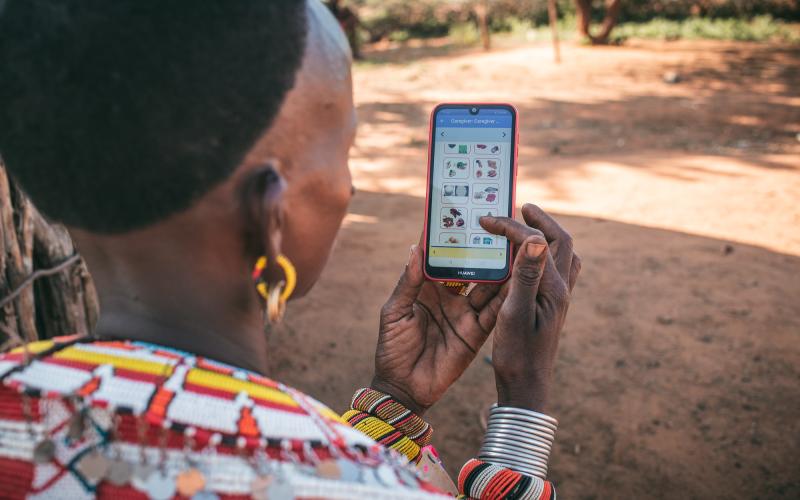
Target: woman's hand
{"points": [[429, 335], [532, 315]]}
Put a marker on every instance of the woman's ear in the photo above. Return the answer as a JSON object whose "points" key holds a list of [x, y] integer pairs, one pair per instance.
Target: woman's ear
{"points": [[262, 197]]}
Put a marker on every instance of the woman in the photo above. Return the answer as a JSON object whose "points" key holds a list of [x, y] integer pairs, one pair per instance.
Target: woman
{"points": [[198, 154]]}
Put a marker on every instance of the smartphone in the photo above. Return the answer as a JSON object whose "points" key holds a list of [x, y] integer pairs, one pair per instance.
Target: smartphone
{"points": [[472, 167]]}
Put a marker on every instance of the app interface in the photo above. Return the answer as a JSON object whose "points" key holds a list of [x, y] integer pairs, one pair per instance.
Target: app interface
{"points": [[471, 177]]}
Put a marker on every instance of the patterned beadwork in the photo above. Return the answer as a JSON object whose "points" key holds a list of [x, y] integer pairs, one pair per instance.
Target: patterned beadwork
{"points": [[141, 401], [485, 481], [386, 408], [383, 433]]}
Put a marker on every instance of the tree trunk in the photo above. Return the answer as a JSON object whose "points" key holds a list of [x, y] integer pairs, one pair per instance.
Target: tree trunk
{"points": [[60, 304], [482, 14], [585, 20], [552, 14]]}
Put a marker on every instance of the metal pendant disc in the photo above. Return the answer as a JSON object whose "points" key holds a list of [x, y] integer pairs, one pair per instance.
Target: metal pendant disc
{"points": [[190, 482], [119, 473], [94, 466], [329, 469], [44, 451], [160, 486], [280, 489], [141, 473], [259, 487], [77, 426], [205, 495], [348, 470]]}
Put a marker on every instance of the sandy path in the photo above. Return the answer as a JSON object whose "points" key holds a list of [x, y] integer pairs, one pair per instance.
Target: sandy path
{"points": [[679, 366]]}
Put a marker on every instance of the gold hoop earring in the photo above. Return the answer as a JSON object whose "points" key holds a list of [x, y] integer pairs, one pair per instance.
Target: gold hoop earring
{"points": [[280, 292]]}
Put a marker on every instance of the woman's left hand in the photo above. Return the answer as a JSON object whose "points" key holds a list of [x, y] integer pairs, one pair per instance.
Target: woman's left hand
{"points": [[429, 335]]}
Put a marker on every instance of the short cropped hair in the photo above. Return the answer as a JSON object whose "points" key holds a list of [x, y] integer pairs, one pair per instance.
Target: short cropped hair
{"points": [[115, 114]]}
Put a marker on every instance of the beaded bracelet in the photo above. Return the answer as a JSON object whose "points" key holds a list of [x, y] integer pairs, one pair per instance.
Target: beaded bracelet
{"points": [[383, 433], [386, 408], [485, 481]]}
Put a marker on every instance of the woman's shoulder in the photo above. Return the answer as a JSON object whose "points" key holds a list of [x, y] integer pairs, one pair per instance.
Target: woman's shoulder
{"points": [[146, 404], [164, 384]]}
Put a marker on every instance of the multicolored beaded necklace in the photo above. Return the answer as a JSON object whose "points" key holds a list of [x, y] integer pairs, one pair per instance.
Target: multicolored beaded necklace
{"points": [[87, 419]]}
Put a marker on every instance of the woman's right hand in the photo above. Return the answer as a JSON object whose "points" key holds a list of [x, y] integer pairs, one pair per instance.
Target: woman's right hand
{"points": [[532, 315]]}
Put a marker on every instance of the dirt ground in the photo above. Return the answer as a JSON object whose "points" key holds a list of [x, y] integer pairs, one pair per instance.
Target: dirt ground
{"points": [[679, 366]]}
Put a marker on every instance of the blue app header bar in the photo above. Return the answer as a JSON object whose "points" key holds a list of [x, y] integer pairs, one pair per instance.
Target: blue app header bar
{"points": [[462, 118]]}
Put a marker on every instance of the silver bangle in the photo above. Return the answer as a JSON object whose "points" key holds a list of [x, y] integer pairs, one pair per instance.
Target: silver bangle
{"points": [[539, 443], [521, 455], [519, 439], [503, 423], [533, 450], [525, 413], [527, 416]]}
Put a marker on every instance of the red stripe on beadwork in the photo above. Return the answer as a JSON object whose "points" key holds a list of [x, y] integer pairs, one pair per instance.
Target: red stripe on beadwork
{"points": [[16, 477]]}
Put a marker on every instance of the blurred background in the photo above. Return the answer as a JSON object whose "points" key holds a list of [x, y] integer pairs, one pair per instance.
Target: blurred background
{"points": [[665, 136]]}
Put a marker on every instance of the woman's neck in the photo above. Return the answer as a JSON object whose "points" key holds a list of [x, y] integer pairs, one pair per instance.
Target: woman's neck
{"points": [[195, 296], [238, 341]]}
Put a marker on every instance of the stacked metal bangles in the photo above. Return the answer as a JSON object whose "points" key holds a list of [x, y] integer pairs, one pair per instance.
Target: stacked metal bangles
{"points": [[519, 439]]}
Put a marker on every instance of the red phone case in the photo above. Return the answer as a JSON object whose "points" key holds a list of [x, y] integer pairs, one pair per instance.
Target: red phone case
{"points": [[428, 191]]}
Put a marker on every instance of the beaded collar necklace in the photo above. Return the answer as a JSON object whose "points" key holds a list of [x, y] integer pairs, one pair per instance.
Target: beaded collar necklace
{"points": [[153, 470]]}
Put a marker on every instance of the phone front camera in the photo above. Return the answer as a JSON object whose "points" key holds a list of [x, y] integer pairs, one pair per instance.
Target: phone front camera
{"points": [[473, 110]]}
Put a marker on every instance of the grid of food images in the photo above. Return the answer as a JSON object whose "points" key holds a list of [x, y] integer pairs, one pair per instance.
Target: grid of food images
{"points": [[470, 188]]}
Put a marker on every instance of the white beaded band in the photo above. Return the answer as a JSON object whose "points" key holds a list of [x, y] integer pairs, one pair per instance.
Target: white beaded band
{"points": [[519, 439]]}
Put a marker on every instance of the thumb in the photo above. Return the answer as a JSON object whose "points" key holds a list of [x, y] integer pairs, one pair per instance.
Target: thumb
{"points": [[405, 293], [527, 274]]}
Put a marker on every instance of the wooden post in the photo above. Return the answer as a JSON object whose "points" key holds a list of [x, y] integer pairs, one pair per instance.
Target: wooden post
{"points": [[482, 13], [19, 317], [61, 304], [70, 295], [552, 13]]}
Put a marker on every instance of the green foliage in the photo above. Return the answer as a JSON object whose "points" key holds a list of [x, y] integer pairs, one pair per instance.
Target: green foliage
{"points": [[464, 34], [399, 36], [644, 10], [524, 29], [760, 28], [399, 20], [417, 18]]}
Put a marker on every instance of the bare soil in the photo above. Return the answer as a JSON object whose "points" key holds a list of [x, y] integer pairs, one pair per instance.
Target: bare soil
{"points": [[679, 368]]}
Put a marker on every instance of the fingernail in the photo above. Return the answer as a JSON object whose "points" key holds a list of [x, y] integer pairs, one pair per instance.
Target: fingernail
{"points": [[411, 253], [534, 250]]}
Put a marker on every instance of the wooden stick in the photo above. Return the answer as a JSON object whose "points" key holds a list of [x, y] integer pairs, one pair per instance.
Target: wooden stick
{"points": [[64, 300], [552, 13], [64, 293], [18, 261]]}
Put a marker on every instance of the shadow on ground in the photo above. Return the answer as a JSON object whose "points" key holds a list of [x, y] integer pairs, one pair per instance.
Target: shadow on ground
{"points": [[668, 381]]}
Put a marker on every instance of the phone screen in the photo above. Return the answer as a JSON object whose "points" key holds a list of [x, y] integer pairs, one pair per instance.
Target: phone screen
{"points": [[472, 175]]}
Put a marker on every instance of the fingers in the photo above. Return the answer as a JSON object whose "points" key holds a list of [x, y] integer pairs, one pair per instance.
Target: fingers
{"points": [[559, 240], [482, 294], [401, 301], [508, 227], [574, 271], [487, 317], [529, 269]]}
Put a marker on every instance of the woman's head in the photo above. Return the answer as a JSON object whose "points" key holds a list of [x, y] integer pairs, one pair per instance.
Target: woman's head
{"points": [[155, 132]]}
